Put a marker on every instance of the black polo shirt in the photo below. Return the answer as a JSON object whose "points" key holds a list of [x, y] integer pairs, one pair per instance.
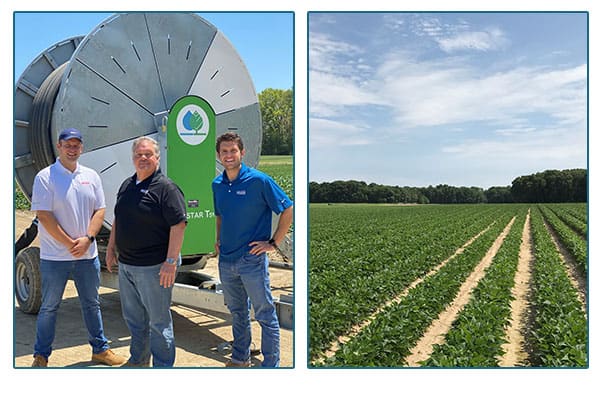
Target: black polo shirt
{"points": [[145, 213]]}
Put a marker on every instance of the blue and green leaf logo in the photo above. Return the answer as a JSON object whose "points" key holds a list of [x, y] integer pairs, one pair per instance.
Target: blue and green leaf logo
{"points": [[193, 118], [193, 121]]}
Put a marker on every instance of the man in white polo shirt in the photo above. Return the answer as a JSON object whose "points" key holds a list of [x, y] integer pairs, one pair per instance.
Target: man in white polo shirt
{"points": [[69, 203]]}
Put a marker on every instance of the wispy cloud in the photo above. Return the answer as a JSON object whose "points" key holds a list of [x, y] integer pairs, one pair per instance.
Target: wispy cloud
{"points": [[329, 55], [553, 146], [493, 39], [457, 36], [441, 91], [336, 79], [433, 93], [324, 133]]}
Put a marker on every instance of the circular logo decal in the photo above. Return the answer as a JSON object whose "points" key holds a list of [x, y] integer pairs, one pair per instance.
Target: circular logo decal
{"points": [[192, 124]]}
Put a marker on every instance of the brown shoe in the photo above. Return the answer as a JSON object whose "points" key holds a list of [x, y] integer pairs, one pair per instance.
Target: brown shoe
{"points": [[39, 361], [233, 364], [109, 358], [129, 364]]}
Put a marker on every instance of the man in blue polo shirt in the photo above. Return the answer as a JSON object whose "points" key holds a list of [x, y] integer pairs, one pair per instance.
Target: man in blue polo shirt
{"points": [[244, 201]]}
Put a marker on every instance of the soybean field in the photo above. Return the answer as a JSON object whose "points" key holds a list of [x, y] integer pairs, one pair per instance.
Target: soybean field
{"points": [[281, 169], [485, 285]]}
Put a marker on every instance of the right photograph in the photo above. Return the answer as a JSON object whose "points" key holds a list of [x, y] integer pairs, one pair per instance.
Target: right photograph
{"points": [[448, 190]]}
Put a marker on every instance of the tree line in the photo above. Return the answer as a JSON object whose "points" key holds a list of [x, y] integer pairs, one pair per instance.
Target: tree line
{"points": [[276, 108], [551, 186]]}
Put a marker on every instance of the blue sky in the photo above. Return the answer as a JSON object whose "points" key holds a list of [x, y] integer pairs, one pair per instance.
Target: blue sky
{"points": [[466, 99], [264, 41]]}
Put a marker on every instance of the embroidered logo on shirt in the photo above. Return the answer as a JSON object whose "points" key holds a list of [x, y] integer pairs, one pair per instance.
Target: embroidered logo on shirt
{"points": [[240, 192], [85, 182]]}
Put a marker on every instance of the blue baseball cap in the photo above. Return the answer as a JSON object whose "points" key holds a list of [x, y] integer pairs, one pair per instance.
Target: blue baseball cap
{"points": [[70, 133]]}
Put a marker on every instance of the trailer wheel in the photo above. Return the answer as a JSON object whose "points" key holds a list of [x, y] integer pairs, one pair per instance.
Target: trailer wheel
{"points": [[28, 280]]}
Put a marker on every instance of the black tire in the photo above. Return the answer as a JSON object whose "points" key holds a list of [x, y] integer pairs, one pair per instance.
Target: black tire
{"points": [[28, 280], [201, 260]]}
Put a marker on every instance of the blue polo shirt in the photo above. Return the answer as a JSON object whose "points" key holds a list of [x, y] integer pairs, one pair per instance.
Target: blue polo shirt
{"points": [[245, 206]]}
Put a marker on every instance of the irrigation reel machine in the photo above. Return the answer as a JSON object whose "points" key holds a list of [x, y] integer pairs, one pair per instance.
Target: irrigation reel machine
{"points": [[137, 74]]}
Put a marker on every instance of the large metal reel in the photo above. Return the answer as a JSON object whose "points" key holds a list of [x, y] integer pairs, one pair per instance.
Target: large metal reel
{"points": [[124, 76], [35, 92], [127, 73]]}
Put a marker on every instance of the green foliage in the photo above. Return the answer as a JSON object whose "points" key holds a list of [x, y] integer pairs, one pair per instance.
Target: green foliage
{"points": [[551, 186], [362, 256], [276, 107], [281, 169], [498, 194], [576, 245], [572, 216], [359, 192], [21, 202], [559, 336], [546, 187], [389, 338]]}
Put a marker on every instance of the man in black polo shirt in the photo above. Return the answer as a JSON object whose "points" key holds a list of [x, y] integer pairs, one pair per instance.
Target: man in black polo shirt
{"points": [[147, 233]]}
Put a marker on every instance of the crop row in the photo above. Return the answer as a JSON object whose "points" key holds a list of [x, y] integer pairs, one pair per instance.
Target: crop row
{"points": [[389, 338], [559, 334], [361, 256], [572, 241], [577, 210], [566, 214], [478, 333]]}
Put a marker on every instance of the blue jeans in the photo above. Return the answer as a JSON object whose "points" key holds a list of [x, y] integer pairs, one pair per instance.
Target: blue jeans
{"points": [[146, 308], [55, 274], [246, 281]]}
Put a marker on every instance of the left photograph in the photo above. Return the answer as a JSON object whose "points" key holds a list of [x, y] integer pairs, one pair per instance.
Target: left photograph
{"points": [[153, 189]]}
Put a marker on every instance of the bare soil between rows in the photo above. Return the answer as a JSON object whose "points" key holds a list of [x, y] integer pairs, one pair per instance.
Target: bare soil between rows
{"points": [[199, 334], [515, 354]]}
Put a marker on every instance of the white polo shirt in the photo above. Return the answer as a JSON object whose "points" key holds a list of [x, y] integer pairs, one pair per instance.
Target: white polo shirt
{"points": [[72, 197]]}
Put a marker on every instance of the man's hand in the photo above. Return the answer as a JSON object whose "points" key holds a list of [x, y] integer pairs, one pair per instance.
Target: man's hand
{"points": [[111, 259], [80, 247], [260, 247], [167, 274]]}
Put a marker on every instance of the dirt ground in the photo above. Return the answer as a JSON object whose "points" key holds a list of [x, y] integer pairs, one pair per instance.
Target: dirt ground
{"points": [[515, 354], [200, 335]]}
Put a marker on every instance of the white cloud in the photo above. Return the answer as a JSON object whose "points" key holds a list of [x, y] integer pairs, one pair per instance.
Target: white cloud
{"points": [[324, 53], [331, 95], [427, 26], [437, 93], [324, 133], [394, 22], [457, 36], [492, 39], [553, 145], [337, 76], [515, 130]]}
